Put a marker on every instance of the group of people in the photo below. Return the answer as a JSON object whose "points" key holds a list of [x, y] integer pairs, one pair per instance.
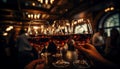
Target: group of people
{"points": [[27, 56], [17, 51]]}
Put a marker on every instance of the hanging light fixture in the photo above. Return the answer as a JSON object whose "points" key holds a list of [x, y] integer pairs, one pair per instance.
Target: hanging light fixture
{"points": [[46, 1], [110, 6]]}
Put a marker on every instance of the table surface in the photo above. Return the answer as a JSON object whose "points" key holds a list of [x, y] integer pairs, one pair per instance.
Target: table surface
{"points": [[51, 59]]}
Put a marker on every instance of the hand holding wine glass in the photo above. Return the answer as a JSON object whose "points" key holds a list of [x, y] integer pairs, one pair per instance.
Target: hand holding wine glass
{"points": [[82, 32], [92, 52]]}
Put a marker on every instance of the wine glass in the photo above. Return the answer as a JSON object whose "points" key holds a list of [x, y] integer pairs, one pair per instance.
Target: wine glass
{"points": [[38, 30], [81, 34], [60, 37]]}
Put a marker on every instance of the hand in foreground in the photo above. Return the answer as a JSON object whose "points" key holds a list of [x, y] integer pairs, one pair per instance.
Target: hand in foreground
{"points": [[91, 51], [35, 64]]}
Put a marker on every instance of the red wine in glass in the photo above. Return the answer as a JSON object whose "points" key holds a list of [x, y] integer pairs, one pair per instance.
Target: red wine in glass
{"points": [[81, 39], [60, 41]]}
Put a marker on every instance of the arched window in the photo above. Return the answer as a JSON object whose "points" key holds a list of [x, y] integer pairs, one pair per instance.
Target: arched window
{"points": [[109, 22]]}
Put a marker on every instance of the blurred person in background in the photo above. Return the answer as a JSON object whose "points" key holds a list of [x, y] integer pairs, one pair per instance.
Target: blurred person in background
{"points": [[98, 41], [25, 50], [12, 50], [112, 50]]}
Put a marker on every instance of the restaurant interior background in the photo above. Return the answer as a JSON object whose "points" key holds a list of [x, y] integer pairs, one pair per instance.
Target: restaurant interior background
{"points": [[18, 13]]}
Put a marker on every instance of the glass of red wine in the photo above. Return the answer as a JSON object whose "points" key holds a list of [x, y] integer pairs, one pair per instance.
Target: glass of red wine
{"points": [[38, 31], [81, 34], [60, 37]]}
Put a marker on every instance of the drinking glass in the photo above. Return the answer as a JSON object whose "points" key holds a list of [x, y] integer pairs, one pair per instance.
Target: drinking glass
{"points": [[38, 31], [81, 34], [60, 37]]}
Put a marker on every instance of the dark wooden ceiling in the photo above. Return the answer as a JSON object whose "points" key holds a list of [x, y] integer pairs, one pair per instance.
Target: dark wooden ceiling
{"points": [[16, 11]]}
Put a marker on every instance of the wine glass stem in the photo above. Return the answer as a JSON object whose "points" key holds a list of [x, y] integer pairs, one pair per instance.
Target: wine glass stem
{"points": [[39, 54], [61, 53], [46, 54]]}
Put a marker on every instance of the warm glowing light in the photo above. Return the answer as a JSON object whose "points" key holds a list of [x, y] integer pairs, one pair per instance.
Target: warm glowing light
{"points": [[36, 32], [35, 16], [80, 20], [62, 27], [38, 16], [31, 15], [9, 28], [51, 1], [41, 1], [105, 10], [43, 16], [109, 9], [5, 34], [33, 4], [42, 26], [112, 8], [46, 1], [53, 25], [75, 22], [67, 24], [35, 27]]}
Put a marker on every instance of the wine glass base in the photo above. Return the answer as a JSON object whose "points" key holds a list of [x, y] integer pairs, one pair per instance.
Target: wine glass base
{"points": [[81, 64], [61, 63]]}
